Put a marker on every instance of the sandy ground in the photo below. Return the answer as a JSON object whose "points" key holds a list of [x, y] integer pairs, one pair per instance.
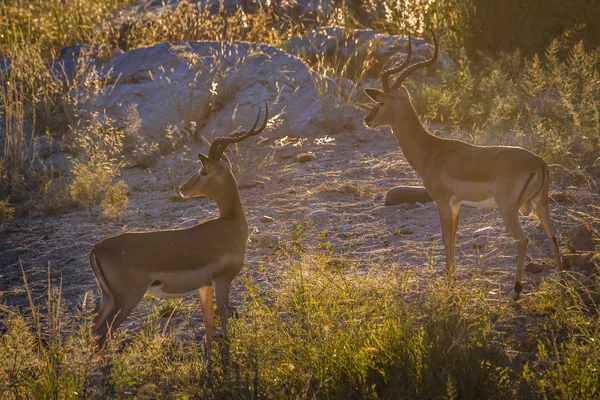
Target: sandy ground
{"points": [[339, 192]]}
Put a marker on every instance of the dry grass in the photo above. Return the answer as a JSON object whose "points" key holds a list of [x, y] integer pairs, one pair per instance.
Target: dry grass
{"points": [[331, 326]]}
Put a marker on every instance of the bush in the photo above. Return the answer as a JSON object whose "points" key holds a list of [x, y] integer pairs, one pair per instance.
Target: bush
{"points": [[115, 201], [91, 181], [529, 25], [548, 105]]}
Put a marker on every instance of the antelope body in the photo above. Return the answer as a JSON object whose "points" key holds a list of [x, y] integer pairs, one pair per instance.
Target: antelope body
{"points": [[456, 173], [175, 263]]}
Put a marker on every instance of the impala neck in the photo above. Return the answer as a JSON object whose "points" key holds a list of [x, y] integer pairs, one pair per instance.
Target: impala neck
{"points": [[413, 138], [229, 202]]}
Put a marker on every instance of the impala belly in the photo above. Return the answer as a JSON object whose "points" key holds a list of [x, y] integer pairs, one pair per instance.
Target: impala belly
{"points": [[174, 284], [474, 194], [171, 285], [488, 203], [157, 291]]}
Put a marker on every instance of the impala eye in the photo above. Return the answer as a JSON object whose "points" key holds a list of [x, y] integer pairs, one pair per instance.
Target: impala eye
{"points": [[203, 172], [380, 103]]}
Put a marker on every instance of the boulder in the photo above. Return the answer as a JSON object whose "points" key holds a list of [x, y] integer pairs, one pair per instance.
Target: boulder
{"points": [[388, 50], [218, 87], [407, 194]]}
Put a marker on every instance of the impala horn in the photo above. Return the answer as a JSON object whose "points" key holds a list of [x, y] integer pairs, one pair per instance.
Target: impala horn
{"points": [[386, 74], [220, 143], [416, 66]]}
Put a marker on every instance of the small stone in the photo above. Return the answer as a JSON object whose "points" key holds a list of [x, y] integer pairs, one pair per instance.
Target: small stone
{"points": [[318, 214], [534, 268], [407, 194], [487, 231], [403, 231], [265, 219], [579, 239], [480, 243], [306, 157], [579, 262], [378, 196]]}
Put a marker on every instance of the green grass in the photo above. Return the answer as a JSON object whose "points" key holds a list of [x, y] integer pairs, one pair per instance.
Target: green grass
{"points": [[329, 327]]}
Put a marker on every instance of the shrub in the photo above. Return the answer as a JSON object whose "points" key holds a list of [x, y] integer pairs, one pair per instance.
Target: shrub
{"points": [[91, 181], [116, 200], [549, 105]]}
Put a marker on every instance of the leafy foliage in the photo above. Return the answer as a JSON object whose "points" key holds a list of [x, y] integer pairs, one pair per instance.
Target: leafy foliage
{"points": [[550, 105]]}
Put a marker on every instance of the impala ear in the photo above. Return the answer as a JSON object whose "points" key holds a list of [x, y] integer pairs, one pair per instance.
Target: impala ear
{"points": [[204, 159], [225, 158], [374, 94]]}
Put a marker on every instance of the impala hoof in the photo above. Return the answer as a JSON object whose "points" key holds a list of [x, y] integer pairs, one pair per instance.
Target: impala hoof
{"points": [[514, 295], [232, 312]]}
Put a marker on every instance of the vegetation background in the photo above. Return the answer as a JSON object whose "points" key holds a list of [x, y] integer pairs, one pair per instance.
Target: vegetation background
{"points": [[528, 74]]}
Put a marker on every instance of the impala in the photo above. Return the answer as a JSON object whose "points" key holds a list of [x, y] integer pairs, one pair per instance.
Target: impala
{"points": [[511, 179], [175, 263]]}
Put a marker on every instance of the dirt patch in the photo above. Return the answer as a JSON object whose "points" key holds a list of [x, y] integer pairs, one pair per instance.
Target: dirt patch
{"points": [[330, 199]]}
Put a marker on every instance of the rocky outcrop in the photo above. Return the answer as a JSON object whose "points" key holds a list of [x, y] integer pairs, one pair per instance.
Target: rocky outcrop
{"points": [[346, 45], [218, 86]]}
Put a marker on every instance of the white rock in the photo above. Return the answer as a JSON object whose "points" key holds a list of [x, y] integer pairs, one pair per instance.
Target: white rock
{"points": [[169, 90], [318, 214], [265, 219]]}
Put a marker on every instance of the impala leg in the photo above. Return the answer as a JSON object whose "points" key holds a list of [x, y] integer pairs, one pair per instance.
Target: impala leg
{"points": [[541, 209], [208, 314], [222, 296], [449, 215], [511, 220], [106, 305], [114, 317]]}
